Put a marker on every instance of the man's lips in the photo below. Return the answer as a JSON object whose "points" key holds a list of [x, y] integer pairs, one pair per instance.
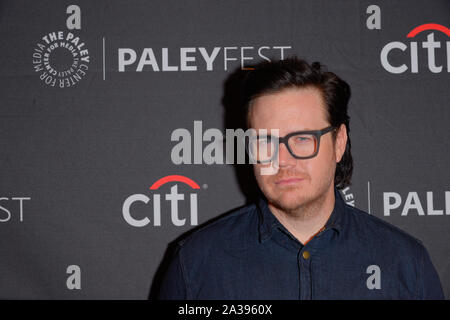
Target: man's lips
{"points": [[288, 181]]}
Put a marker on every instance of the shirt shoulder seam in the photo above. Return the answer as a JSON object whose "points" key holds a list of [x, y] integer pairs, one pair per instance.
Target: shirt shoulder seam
{"points": [[385, 224], [226, 217]]}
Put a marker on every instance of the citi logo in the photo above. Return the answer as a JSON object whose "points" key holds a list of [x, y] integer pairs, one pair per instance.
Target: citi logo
{"points": [[135, 219], [411, 51]]}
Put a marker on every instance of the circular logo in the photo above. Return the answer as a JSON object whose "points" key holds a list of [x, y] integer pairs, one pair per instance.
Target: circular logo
{"points": [[61, 59]]}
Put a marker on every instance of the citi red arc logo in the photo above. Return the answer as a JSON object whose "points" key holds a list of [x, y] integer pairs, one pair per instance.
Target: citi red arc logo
{"points": [[175, 178], [431, 46], [173, 197], [428, 26]]}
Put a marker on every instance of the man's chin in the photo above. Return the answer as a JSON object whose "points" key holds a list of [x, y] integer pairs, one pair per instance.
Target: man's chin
{"points": [[290, 201]]}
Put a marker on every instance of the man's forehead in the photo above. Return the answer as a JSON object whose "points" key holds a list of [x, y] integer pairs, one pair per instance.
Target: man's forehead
{"points": [[290, 104]]}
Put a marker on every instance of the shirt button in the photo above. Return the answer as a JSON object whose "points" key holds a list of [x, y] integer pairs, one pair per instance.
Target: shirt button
{"points": [[306, 255]]}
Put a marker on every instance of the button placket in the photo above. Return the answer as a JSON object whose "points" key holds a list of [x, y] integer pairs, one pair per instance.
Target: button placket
{"points": [[305, 274]]}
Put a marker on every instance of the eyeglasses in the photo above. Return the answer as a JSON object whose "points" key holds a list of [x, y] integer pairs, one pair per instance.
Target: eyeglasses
{"points": [[300, 144]]}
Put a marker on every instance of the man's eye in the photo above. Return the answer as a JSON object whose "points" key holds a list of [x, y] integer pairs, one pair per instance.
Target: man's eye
{"points": [[302, 139]]}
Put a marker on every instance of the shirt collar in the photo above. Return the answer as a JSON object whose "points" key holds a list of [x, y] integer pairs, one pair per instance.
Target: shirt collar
{"points": [[267, 220]]}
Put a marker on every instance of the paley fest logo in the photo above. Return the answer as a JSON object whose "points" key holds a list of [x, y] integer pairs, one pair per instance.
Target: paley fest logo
{"points": [[154, 207], [61, 58], [410, 57], [416, 203], [194, 58], [12, 208]]}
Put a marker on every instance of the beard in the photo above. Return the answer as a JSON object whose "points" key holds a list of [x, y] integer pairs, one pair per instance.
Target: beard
{"points": [[299, 200]]}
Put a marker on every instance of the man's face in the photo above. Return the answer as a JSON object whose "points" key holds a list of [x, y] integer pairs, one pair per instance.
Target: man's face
{"points": [[297, 182]]}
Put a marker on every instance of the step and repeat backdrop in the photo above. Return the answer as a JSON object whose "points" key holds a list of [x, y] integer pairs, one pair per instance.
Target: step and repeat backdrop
{"points": [[110, 111]]}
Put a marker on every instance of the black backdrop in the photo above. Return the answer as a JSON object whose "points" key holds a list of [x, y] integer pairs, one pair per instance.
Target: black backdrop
{"points": [[92, 92]]}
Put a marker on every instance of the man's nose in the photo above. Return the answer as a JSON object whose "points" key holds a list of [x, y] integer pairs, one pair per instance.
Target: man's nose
{"points": [[285, 158]]}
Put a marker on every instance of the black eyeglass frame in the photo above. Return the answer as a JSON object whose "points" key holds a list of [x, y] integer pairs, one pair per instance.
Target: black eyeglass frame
{"points": [[285, 139]]}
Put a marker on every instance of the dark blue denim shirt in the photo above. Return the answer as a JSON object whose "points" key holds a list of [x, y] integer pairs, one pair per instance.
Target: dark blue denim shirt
{"points": [[249, 254]]}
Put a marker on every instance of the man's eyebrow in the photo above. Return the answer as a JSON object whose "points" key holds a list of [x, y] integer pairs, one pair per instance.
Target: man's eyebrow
{"points": [[300, 130]]}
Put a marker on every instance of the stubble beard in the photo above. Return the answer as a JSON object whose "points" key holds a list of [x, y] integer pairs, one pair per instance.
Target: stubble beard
{"points": [[306, 203]]}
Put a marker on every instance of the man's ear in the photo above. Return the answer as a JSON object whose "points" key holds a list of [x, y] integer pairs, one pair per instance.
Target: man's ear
{"points": [[341, 142]]}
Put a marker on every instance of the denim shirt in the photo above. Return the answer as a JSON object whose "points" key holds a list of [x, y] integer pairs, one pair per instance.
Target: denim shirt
{"points": [[249, 254]]}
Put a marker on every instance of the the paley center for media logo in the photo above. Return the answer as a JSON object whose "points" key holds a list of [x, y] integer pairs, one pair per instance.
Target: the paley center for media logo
{"points": [[411, 50], [143, 209], [61, 58]]}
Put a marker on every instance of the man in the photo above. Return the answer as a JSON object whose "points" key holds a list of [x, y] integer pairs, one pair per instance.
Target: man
{"points": [[300, 240]]}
